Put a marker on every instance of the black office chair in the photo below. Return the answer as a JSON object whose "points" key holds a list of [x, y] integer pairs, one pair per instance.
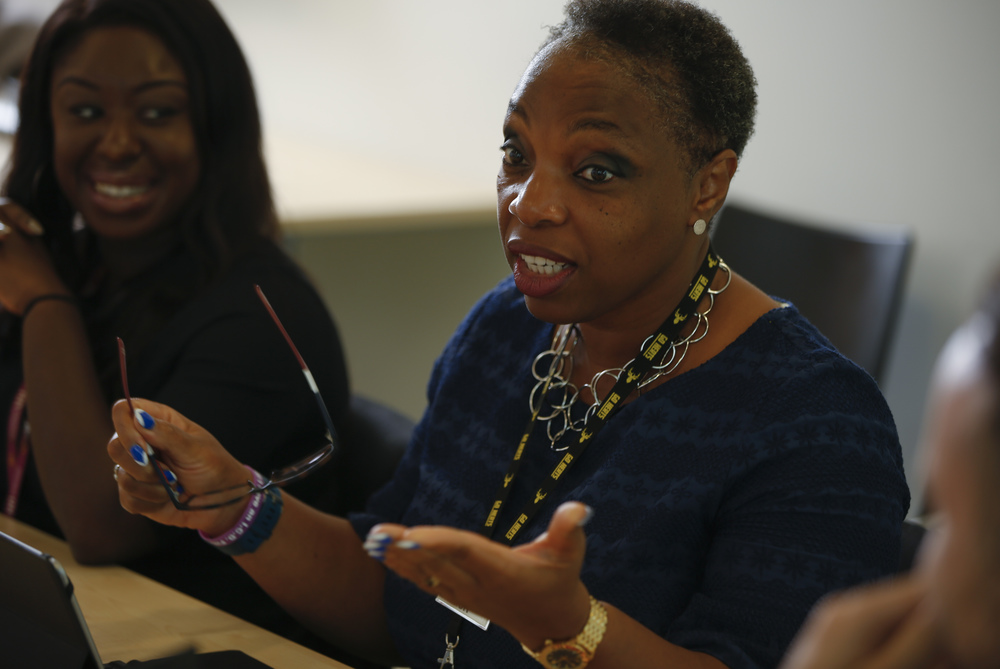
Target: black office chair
{"points": [[371, 446], [849, 284]]}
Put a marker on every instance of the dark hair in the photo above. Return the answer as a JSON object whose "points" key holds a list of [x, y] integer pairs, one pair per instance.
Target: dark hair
{"points": [[232, 204], [686, 59]]}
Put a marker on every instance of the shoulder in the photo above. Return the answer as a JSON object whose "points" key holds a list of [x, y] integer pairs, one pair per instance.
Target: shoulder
{"points": [[493, 335], [808, 407], [226, 328], [782, 352], [782, 390], [231, 298], [269, 267], [504, 302], [801, 364], [496, 316]]}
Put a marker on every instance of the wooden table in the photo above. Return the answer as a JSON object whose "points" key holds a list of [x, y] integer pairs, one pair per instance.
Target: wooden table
{"points": [[134, 618]]}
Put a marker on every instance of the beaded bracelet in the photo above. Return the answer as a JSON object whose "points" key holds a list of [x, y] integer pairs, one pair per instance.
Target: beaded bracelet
{"points": [[255, 525], [33, 302]]}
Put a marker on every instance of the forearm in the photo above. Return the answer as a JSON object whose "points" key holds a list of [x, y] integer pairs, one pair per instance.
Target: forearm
{"points": [[314, 566], [627, 643], [70, 427]]}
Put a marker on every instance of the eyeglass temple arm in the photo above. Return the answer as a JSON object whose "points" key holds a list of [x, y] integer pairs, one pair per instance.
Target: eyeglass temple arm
{"points": [[332, 432]]}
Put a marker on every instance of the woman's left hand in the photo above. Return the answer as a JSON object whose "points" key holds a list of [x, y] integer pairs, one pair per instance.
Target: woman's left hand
{"points": [[533, 591], [26, 269]]}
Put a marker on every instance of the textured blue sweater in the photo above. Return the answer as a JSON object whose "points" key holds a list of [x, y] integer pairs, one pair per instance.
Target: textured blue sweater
{"points": [[727, 500]]}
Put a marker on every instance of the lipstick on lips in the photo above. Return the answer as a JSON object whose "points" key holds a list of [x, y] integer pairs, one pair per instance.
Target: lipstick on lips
{"points": [[538, 276]]}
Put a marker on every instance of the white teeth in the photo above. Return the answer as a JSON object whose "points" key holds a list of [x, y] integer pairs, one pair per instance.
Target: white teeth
{"points": [[540, 265], [119, 191]]}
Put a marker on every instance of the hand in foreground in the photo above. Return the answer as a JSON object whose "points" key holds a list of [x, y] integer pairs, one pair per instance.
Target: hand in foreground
{"points": [[26, 270], [186, 451], [533, 591], [881, 626]]}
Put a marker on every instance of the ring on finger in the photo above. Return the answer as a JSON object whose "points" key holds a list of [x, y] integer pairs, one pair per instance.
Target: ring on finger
{"points": [[432, 581], [118, 468]]}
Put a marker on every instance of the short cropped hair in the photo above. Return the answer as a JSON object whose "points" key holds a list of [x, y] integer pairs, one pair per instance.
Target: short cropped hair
{"points": [[232, 204], [685, 58]]}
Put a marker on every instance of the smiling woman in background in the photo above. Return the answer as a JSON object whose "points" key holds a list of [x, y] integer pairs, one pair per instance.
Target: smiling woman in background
{"points": [[138, 205]]}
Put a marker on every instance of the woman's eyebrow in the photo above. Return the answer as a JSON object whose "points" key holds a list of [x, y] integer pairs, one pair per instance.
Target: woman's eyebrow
{"points": [[158, 83], [146, 85], [78, 81], [601, 125]]}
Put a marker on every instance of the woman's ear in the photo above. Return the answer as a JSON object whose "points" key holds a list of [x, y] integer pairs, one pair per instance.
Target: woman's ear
{"points": [[710, 185]]}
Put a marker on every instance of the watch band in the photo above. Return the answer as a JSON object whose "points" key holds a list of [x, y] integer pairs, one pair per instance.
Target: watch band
{"points": [[577, 652]]}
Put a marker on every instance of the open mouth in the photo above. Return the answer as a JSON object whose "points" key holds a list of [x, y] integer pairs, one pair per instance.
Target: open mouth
{"points": [[540, 265], [111, 197], [115, 191]]}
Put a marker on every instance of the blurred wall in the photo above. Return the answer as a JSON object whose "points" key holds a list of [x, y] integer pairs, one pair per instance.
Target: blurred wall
{"points": [[870, 113]]}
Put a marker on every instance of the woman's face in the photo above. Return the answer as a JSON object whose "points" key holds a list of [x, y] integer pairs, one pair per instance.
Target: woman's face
{"points": [[962, 558], [125, 153], [592, 201]]}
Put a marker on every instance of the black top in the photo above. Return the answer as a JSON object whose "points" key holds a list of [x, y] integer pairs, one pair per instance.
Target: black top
{"points": [[220, 361]]}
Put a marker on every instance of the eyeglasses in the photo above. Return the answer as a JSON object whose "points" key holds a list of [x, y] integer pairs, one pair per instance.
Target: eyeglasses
{"points": [[218, 498]]}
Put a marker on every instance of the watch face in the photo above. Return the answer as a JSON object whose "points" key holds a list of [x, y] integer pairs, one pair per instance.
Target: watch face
{"points": [[564, 658]]}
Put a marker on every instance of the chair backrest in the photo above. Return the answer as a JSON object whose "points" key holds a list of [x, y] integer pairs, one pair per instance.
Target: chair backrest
{"points": [[849, 284], [372, 444]]}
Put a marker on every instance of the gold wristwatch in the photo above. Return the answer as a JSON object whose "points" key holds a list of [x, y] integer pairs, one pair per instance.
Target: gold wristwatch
{"points": [[577, 652]]}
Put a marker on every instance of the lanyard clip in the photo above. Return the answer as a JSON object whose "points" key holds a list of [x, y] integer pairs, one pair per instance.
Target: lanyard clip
{"points": [[449, 653]]}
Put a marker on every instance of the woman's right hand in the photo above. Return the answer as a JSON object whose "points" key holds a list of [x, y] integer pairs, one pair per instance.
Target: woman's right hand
{"points": [[183, 447], [26, 270]]}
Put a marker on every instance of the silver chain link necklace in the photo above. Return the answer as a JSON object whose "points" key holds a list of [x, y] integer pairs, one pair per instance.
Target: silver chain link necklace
{"points": [[560, 409]]}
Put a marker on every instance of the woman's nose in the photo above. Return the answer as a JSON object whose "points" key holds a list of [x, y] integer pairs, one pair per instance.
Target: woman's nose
{"points": [[119, 141], [539, 200]]}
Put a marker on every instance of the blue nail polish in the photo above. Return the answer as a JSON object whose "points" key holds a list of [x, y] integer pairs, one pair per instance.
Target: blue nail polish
{"points": [[139, 455], [171, 479], [145, 419], [407, 545], [377, 553]]}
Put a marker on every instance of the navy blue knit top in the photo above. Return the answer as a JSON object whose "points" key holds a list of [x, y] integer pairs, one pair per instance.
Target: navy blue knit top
{"points": [[726, 501]]}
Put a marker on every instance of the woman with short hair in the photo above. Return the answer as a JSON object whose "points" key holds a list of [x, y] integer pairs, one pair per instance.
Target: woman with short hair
{"points": [[735, 473]]}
